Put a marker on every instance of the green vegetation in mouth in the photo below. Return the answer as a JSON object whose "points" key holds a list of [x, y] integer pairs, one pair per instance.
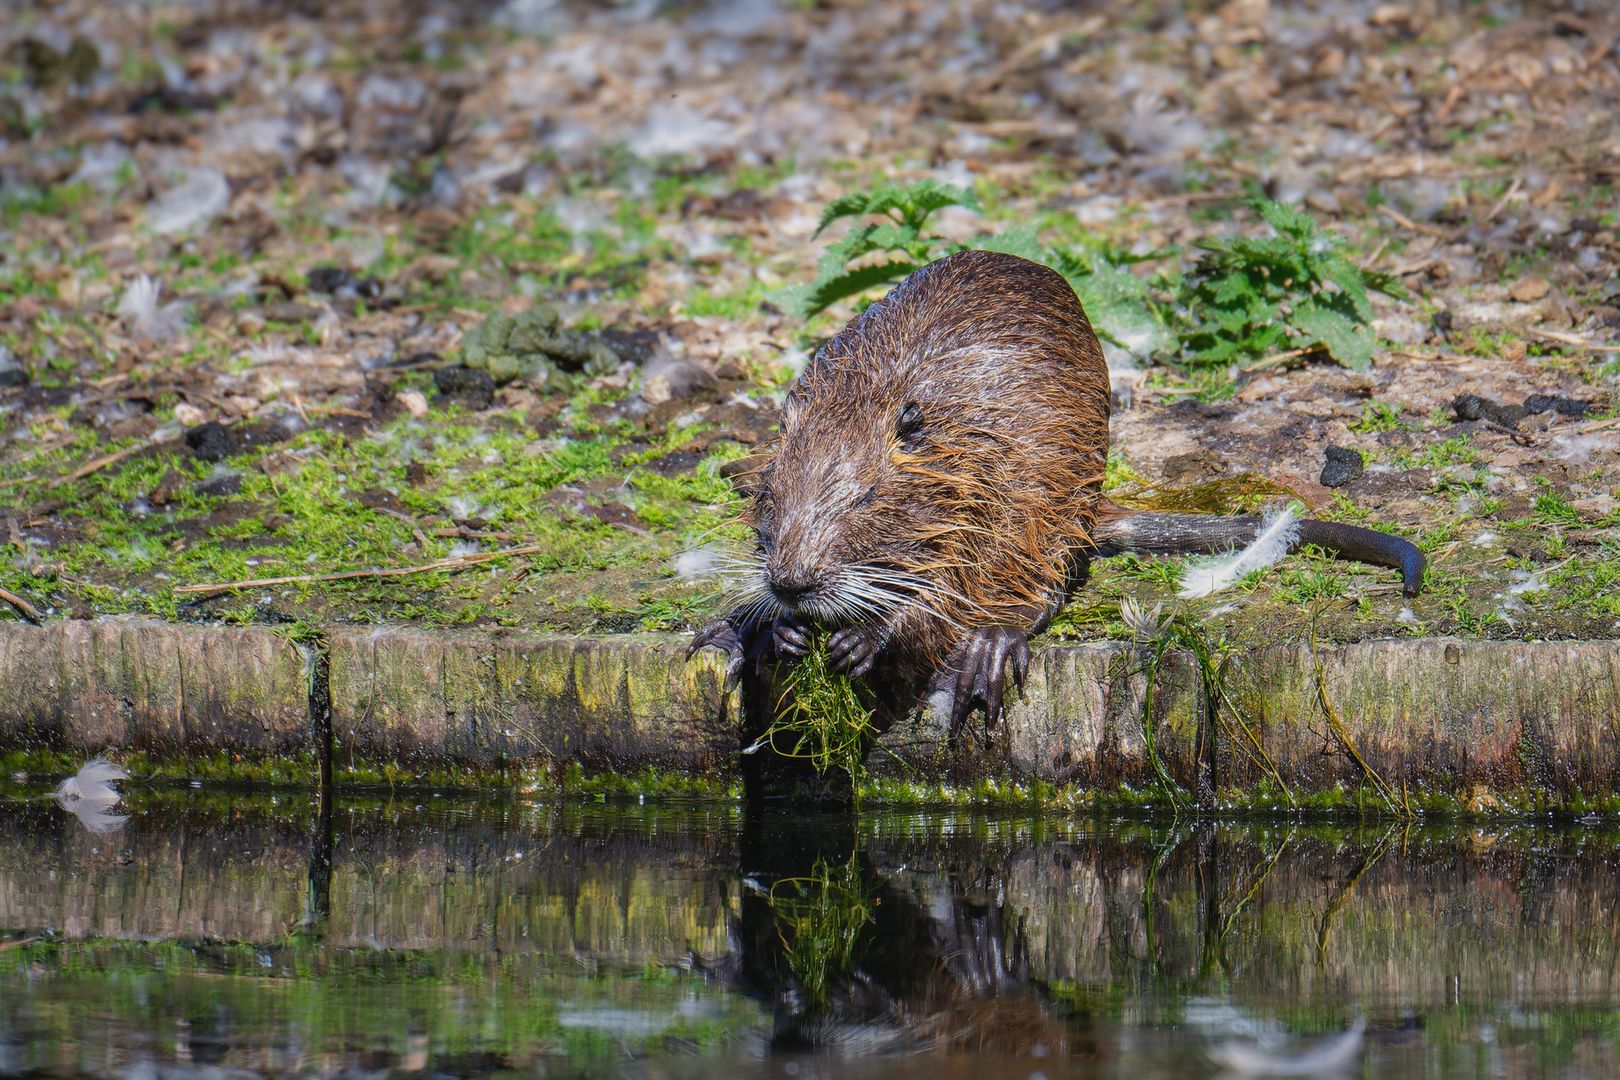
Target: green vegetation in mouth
{"points": [[822, 716]]}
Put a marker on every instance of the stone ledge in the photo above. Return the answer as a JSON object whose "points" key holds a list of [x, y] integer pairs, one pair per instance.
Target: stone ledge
{"points": [[166, 691], [1444, 716]]}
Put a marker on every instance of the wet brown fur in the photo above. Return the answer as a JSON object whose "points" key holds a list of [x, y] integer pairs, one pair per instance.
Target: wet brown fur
{"points": [[995, 498]]}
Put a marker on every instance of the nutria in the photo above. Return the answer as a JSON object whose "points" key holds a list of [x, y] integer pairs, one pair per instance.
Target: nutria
{"points": [[935, 494]]}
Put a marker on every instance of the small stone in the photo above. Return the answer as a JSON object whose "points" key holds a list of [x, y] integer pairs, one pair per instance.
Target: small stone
{"points": [[212, 441], [1343, 465], [338, 282], [1193, 467], [167, 488], [1529, 289], [466, 386], [11, 372], [1540, 403], [631, 346], [415, 402], [188, 415], [1474, 407], [740, 466], [655, 389], [219, 486]]}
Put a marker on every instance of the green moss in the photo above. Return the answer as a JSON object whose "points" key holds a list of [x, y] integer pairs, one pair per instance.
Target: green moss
{"points": [[541, 783], [31, 769]]}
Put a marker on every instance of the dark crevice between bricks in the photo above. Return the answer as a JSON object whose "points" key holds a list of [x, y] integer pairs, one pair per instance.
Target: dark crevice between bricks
{"points": [[320, 703], [318, 896]]}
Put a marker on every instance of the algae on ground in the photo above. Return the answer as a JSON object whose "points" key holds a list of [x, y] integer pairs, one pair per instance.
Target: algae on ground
{"points": [[535, 346]]}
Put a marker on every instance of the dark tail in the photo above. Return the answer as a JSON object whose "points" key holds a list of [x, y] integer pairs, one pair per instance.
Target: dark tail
{"points": [[1146, 533]]}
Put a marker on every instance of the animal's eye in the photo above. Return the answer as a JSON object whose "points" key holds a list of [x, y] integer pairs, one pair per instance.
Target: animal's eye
{"points": [[909, 427]]}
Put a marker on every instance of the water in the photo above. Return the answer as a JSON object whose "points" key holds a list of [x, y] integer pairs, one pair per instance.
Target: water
{"points": [[229, 936]]}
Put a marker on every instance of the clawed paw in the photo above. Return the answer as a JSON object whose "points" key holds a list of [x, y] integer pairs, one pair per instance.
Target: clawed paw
{"points": [[724, 636], [977, 673], [854, 649], [790, 638]]}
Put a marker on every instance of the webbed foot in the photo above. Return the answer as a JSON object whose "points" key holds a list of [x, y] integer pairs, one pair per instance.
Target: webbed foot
{"points": [[980, 668]]}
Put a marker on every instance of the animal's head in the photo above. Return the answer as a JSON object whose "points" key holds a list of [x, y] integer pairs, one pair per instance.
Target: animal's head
{"points": [[842, 522]]}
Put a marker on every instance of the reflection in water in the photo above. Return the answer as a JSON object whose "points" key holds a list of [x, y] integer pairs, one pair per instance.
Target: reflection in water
{"points": [[287, 935], [91, 795]]}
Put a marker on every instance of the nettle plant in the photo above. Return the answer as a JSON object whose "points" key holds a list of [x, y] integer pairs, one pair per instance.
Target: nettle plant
{"points": [[1246, 298], [847, 268], [1242, 299]]}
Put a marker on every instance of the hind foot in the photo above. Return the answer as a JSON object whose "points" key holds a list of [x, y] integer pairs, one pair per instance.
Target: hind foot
{"points": [[977, 673]]}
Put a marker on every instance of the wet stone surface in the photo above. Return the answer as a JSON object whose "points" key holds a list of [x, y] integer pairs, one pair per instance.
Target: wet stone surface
{"points": [[271, 935]]}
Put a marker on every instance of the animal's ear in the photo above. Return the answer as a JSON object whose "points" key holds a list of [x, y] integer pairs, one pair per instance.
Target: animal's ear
{"points": [[909, 428]]}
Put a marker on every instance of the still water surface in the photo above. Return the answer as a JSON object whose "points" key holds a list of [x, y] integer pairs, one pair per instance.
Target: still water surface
{"points": [[221, 937]]}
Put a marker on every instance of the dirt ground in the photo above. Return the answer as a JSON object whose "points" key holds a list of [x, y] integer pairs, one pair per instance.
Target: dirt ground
{"points": [[241, 246]]}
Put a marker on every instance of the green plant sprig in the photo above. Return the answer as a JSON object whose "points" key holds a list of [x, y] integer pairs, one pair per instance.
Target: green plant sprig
{"points": [[821, 715]]}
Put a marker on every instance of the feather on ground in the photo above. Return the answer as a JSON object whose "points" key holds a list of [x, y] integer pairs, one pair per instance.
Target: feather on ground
{"points": [[1277, 537]]}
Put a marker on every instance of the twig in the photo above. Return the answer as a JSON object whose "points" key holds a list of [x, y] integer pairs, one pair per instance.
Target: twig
{"points": [[460, 563], [462, 533], [1571, 339], [1336, 722], [97, 464], [1438, 357], [337, 410], [27, 610], [1405, 222], [1513, 189], [421, 537], [1417, 267], [1278, 358], [1511, 432], [1368, 861]]}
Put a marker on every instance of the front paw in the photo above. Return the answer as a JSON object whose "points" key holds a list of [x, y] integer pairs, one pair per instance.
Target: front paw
{"points": [[979, 670], [854, 649], [790, 638], [728, 639]]}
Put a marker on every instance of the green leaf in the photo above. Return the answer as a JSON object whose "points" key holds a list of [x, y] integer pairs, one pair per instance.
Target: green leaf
{"points": [[851, 205], [1285, 219], [1349, 342], [1120, 310], [892, 237], [916, 201], [824, 293], [1352, 286], [1020, 240]]}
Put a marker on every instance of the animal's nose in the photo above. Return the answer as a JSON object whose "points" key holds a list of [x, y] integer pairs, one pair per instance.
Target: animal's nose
{"points": [[791, 589]]}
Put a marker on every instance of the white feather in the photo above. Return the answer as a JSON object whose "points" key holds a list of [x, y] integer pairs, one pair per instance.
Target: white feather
{"points": [[139, 309], [702, 562], [93, 783], [1204, 577], [91, 795], [1338, 1054]]}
